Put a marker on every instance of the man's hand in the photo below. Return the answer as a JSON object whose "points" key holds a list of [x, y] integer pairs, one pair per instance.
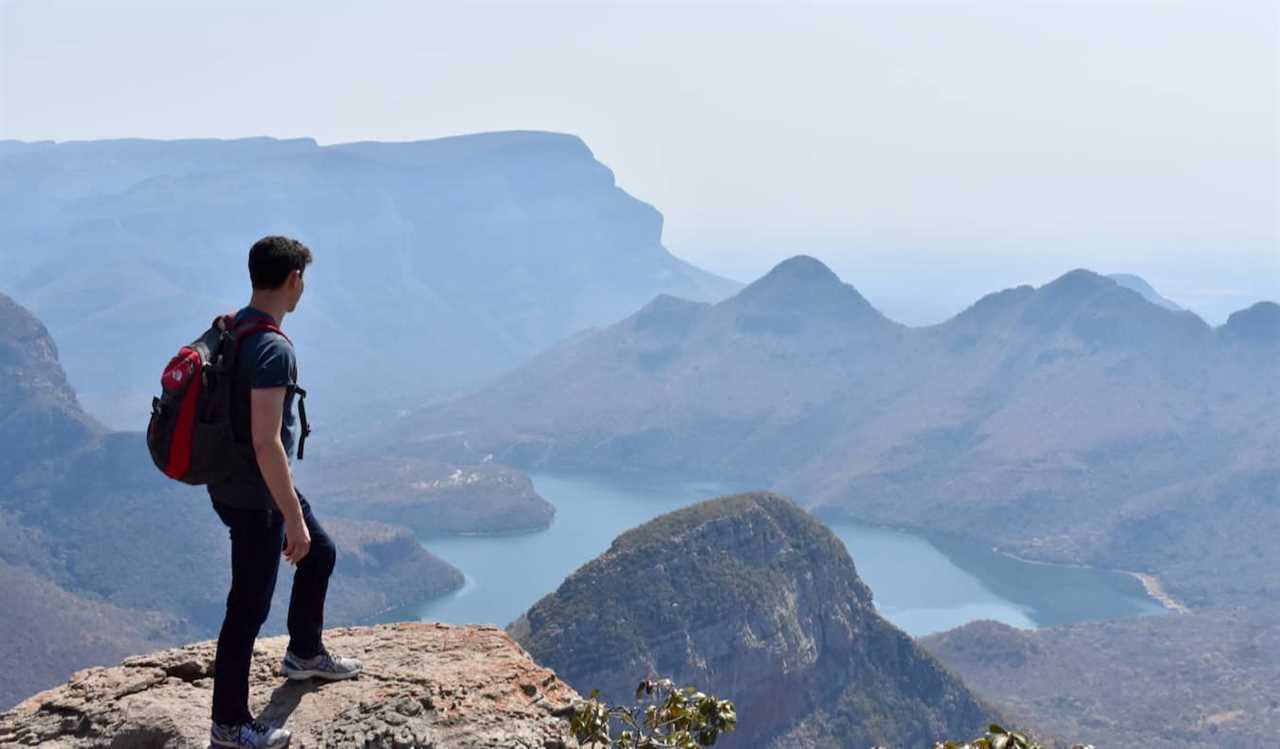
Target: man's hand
{"points": [[297, 541]]}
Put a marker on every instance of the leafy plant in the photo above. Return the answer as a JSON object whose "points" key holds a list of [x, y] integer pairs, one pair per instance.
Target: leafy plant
{"points": [[664, 717], [998, 738]]}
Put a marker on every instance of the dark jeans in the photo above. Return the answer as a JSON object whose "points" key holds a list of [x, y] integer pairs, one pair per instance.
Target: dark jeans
{"points": [[257, 540]]}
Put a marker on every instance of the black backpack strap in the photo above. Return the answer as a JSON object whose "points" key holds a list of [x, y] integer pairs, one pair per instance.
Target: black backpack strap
{"points": [[302, 416]]}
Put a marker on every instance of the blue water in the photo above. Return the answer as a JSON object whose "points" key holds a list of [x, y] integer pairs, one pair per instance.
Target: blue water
{"points": [[917, 585]]}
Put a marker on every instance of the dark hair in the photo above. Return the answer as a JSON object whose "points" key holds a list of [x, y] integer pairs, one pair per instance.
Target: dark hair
{"points": [[272, 259]]}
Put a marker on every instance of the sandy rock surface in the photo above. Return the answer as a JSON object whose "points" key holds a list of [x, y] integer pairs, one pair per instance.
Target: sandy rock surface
{"points": [[425, 685]]}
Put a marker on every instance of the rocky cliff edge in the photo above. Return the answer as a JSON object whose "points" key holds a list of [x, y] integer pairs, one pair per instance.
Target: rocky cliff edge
{"points": [[425, 685]]}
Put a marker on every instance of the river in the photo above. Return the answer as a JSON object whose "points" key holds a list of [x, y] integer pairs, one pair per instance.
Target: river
{"points": [[921, 586]]}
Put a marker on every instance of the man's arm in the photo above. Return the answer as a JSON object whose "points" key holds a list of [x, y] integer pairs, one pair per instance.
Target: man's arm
{"points": [[266, 412]]}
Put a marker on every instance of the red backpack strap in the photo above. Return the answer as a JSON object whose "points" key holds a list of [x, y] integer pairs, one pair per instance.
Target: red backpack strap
{"points": [[249, 327]]}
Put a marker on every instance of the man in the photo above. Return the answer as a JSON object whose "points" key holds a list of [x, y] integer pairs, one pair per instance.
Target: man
{"points": [[265, 513]]}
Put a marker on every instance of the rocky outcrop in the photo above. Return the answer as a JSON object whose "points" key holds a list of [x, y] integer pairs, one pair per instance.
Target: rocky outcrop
{"points": [[425, 685], [751, 599]]}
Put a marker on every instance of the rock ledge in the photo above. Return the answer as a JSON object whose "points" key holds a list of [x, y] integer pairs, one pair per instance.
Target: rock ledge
{"points": [[425, 685]]}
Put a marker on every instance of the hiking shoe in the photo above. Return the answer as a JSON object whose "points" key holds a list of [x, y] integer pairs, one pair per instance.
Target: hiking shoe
{"points": [[253, 735], [323, 666]]}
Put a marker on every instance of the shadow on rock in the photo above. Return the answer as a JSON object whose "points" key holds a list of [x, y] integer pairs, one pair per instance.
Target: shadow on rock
{"points": [[286, 698]]}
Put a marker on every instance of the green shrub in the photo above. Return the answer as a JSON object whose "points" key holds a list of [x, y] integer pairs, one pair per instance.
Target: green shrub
{"points": [[664, 717], [998, 738]]}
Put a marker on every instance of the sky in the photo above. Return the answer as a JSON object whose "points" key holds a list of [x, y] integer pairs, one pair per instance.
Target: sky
{"points": [[928, 152]]}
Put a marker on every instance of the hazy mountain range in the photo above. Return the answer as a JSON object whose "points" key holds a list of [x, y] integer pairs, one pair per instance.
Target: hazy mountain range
{"points": [[437, 263], [1088, 420], [1075, 422]]}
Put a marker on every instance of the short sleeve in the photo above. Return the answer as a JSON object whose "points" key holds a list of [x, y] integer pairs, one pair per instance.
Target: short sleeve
{"points": [[274, 363]]}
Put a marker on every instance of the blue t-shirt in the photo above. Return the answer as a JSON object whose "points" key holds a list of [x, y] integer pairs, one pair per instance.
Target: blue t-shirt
{"points": [[265, 360]]}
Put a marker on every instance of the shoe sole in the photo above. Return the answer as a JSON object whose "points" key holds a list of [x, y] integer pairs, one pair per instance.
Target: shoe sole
{"points": [[293, 675]]}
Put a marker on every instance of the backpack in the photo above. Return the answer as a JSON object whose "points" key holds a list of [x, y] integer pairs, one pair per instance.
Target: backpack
{"points": [[190, 434]]}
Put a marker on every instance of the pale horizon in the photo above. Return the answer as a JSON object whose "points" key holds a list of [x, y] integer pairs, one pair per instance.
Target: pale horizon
{"points": [[928, 152]]}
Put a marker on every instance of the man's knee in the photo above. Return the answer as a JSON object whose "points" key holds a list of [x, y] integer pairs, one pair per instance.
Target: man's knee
{"points": [[247, 616], [323, 554], [331, 554]]}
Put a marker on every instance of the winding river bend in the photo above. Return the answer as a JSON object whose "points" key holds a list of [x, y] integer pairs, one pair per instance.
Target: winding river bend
{"points": [[921, 586]]}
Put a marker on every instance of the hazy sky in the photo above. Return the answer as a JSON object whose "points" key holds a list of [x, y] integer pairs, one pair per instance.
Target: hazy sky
{"points": [[929, 152]]}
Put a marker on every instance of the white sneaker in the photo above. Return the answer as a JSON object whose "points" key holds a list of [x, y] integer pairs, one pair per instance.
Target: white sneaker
{"points": [[324, 666], [252, 735]]}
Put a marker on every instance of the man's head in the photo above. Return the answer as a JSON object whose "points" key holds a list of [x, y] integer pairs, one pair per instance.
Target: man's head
{"points": [[276, 265]]}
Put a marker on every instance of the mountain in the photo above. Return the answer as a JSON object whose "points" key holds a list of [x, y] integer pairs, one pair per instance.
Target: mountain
{"points": [[1050, 418], [39, 414], [1257, 324], [797, 294], [1130, 281], [76, 501], [1198, 681], [749, 598], [426, 685], [48, 632], [694, 387], [437, 262]]}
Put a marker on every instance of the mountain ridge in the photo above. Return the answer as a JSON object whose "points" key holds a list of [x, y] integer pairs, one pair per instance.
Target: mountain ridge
{"points": [[485, 247], [1049, 414]]}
